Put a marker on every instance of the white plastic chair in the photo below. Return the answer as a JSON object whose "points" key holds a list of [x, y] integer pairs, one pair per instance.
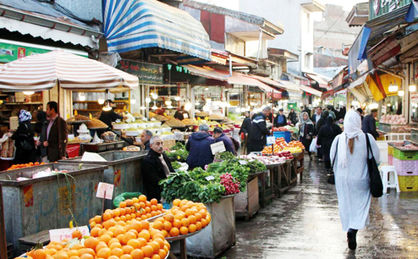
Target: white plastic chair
{"points": [[389, 178]]}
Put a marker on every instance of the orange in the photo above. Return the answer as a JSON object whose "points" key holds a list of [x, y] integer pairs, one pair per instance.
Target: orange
{"points": [[142, 204], [155, 245], [177, 223], [192, 228], [129, 202], [185, 222], [147, 250], [135, 200], [153, 207], [95, 232], [169, 217], [145, 224], [115, 245], [142, 198], [113, 240], [50, 251], [91, 242], [156, 256], [160, 241], [154, 201], [184, 230], [104, 252], [192, 219], [127, 249], [116, 212], [134, 243], [106, 216], [174, 232], [76, 234], [198, 225], [101, 245], [122, 204], [141, 242], [61, 255], [162, 253], [198, 216], [159, 206], [120, 238], [137, 254], [157, 225], [86, 256], [167, 225], [165, 233], [89, 251], [154, 213], [39, 254], [113, 257], [97, 219], [148, 209], [105, 238], [117, 251], [145, 234], [126, 256], [71, 257], [102, 232]]}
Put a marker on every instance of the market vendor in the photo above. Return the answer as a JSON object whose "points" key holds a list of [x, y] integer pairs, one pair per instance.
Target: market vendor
{"points": [[145, 137], [108, 115], [369, 124], [56, 134], [181, 114], [220, 136], [258, 131], [200, 153], [156, 166]]}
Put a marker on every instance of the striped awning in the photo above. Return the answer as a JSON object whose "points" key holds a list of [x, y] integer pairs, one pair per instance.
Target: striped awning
{"points": [[44, 71], [136, 24]]}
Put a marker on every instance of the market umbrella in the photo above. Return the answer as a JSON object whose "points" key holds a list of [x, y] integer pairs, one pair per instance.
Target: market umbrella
{"points": [[44, 71]]}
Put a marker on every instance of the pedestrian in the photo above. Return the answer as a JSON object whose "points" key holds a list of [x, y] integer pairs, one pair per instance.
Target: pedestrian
{"points": [[24, 142], [360, 112], [156, 167], [352, 183], [108, 115], [218, 135], [293, 117], [307, 131], [258, 131], [181, 114], [369, 124], [245, 126], [40, 131], [280, 119], [317, 116], [326, 135], [198, 145], [56, 134], [321, 122], [145, 137]]}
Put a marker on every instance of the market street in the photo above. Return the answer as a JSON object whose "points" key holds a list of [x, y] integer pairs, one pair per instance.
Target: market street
{"points": [[304, 223]]}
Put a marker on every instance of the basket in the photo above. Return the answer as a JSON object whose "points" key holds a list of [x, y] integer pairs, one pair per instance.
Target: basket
{"points": [[406, 167], [405, 155], [408, 183], [283, 134]]}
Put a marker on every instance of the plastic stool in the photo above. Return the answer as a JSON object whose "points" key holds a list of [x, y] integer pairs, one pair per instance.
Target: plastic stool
{"points": [[389, 178]]}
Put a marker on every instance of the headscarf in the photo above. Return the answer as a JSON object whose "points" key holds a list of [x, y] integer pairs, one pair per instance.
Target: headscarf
{"points": [[352, 129], [303, 122], [24, 116]]}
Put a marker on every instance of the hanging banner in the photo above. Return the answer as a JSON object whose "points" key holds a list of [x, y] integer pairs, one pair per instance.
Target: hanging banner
{"points": [[147, 73]]}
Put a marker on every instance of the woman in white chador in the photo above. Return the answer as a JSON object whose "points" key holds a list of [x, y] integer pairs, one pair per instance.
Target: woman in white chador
{"points": [[351, 175]]}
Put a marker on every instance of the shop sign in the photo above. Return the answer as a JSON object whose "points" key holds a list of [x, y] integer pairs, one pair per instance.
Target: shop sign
{"points": [[380, 7], [147, 73], [11, 52]]}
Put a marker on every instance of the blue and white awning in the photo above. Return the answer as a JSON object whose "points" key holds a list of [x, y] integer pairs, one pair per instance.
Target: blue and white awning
{"points": [[137, 24]]}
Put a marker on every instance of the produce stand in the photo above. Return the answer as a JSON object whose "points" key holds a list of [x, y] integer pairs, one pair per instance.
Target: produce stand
{"points": [[49, 202], [277, 171], [265, 186], [247, 202], [101, 147], [219, 235], [27, 242], [288, 177], [123, 170]]}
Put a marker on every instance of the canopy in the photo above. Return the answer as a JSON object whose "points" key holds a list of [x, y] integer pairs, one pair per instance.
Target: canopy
{"points": [[44, 71], [310, 90], [136, 24]]}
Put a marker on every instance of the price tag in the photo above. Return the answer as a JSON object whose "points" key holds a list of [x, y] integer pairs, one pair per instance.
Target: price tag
{"points": [[185, 115], [243, 162], [209, 178], [270, 140], [105, 188], [217, 147], [66, 233]]}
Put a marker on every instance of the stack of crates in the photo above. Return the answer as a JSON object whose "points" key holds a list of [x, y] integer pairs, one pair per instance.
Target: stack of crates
{"points": [[406, 166], [390, 154]]}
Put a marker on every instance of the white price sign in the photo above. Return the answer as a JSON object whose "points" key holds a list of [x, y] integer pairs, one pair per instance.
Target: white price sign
{"points": [[105, 191], [66, 233], [270, 140], [217, 147]]}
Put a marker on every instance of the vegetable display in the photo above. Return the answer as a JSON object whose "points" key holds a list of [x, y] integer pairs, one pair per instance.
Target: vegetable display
{"points": [[178, 152]]}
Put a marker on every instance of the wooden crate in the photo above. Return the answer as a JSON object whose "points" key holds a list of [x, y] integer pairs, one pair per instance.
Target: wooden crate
{"points": [[247, 202]]}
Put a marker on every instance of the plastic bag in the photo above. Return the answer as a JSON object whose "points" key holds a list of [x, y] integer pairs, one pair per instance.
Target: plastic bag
{"points": [[312, 147]]}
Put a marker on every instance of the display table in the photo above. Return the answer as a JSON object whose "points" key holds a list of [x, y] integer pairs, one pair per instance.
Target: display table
{"points": [[247, 202], [182, 242]]}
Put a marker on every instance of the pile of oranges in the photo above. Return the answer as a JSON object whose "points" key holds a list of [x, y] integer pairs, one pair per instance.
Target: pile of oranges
{"points": [[183, 218], [19, 166], [123, 233]]}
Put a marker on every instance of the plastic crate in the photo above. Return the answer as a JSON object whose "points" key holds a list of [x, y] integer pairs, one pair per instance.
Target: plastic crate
{"points": [[408, 183], [390, 159], [283, 134], [405, 155], [390, 150], [406, 167]]}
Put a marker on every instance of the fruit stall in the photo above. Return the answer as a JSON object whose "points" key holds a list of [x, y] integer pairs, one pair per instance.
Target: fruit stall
{"points": [[404, 157], [48, 196]]}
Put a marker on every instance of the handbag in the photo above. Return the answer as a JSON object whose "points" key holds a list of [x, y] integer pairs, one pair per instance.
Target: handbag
{"points": [[376, 185], [331, 176]]}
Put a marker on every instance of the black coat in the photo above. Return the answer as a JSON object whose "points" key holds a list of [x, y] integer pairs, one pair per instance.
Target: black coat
{"points": [[109, 116], [153, 173], [257, 133], [25, 145], [245, 126], [293, 117], [307, 136], [326, 135], [369, 126]]}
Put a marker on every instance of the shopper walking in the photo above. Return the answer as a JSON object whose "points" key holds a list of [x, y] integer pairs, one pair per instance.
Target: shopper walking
{"points": [[280, 119], [326, 135], [317, 116], [24, 142], [293, 117], [40, 132], [306, 129], [245, 126], [349, 150], [369, 124], [220, 136], [200, 153], [258, 131], [56, 134]]}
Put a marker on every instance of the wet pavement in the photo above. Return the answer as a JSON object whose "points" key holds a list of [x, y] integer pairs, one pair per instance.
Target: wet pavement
{"points": [[304, 223]]}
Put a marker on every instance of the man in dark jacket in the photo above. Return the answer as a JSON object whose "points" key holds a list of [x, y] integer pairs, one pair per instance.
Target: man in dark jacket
{"points": [[200, 153], [56, 134], [245, 126], [280, 120], [369, 124], [155, 167], [293, 117], [258, 131], [145, 137], [220, 136], [108, 115]]}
